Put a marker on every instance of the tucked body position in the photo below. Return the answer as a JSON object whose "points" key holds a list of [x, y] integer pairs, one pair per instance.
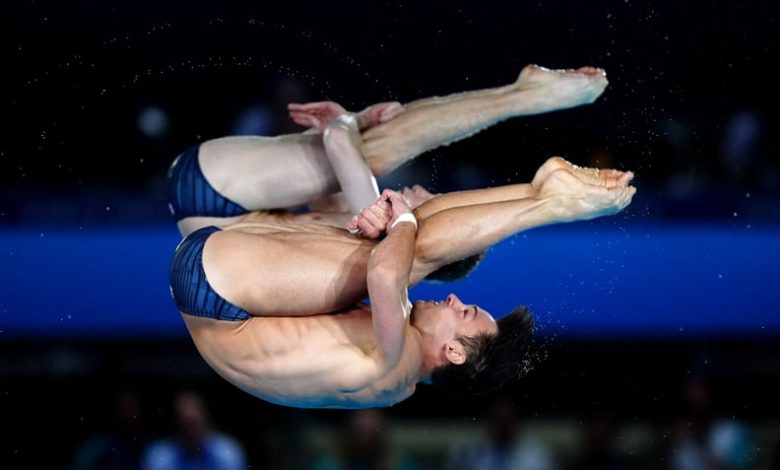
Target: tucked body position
{"points": [[274, 302]]}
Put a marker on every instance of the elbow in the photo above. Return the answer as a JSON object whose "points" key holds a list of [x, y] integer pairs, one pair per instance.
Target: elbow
{"points": [[383, 274]]}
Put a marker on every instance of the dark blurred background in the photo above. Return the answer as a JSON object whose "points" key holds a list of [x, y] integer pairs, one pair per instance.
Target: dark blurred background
{"points": [[659, 328]]}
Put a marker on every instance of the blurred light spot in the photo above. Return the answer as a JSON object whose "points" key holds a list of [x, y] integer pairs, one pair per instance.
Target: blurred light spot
{"points": [[153, 122]]}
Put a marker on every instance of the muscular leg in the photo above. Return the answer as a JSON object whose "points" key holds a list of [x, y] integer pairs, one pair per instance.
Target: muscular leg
{"points": [[266, 173], [439, 121], [456, 225], [261, 173], [590, 176]]}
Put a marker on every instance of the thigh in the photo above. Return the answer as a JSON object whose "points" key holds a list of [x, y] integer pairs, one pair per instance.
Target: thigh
{"points": [[268, 172], [286, 273]]}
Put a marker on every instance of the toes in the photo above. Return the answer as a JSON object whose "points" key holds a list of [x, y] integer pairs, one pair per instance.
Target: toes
{"points": [[625, 178], [592, 71]]}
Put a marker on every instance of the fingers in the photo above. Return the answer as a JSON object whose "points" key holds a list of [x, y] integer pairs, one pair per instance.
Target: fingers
{"points": [[368, 229], [352, 225], [372, 220], [359, 225], [305, 120], [375, 216], [306, 106], [395, 198]]}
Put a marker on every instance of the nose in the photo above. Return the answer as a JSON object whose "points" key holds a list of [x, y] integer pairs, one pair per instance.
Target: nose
{"points": [[452, 299]]}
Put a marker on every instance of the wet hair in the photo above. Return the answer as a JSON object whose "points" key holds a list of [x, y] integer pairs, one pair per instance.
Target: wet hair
{"points": [[492, 361], [456, 270]]}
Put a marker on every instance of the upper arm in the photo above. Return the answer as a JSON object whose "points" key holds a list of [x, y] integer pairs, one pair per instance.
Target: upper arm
{"points": [[390, 310]]}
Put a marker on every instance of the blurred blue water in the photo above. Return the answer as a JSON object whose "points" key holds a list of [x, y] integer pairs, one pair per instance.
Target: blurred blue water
{"points": [[582, 280]]}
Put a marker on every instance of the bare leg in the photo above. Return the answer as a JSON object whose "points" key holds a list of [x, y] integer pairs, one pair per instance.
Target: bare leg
{"points": [[456, 225], [589, 176], [262, 173], [267, 173], [429, 123]]}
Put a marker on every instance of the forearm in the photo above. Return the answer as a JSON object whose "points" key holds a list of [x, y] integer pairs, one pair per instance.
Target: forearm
{"points": [[342, 145], [387, 279]]}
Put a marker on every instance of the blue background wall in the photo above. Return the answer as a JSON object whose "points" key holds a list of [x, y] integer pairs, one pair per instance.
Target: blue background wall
{"points": [[603, 278]]}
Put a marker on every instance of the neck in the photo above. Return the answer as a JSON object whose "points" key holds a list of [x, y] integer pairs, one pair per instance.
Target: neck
{"points": [[430, 359]]}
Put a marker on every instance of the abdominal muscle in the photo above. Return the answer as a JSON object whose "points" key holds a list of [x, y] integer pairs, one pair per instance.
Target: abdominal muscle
{"points": [[308, 361]]}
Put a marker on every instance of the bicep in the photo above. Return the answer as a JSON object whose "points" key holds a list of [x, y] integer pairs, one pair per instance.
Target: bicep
{"points": [[389, 312]]}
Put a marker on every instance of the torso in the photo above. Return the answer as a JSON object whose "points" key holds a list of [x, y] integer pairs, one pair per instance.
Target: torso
{"points": [[309, 342], [313, 361]]}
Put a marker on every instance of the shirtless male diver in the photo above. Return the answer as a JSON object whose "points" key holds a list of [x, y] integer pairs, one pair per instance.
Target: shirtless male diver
{"points": [[220, 180], [280, 314]]}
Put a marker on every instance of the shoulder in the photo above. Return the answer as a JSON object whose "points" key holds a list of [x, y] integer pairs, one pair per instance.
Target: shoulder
{"points": [[399, 381]]}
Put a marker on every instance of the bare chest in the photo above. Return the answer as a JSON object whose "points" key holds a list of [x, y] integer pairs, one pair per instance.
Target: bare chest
{"points": [[316, 361]]}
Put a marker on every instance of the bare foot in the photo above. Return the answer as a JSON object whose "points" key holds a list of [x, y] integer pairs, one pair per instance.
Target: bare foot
{"points": [[607, 178], [378, 113], [564, 88], [583, 201]]}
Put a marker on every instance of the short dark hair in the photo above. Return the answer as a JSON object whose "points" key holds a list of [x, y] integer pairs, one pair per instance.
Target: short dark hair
{"points": [[456, 270], [492, 361]]}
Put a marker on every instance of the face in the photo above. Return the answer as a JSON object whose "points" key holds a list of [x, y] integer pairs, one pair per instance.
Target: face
{"points": [[446, 320]]}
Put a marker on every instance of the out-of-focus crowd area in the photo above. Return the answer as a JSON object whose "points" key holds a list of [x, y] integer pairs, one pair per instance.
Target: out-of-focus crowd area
{"points": [[588, 405]]}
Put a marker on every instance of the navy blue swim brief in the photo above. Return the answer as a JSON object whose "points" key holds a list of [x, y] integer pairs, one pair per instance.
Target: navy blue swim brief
{"points": [[190, 289], [190, 194]]}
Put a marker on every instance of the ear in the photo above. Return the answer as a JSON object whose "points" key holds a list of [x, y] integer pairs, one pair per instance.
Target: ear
{"points": [[454, 353]]}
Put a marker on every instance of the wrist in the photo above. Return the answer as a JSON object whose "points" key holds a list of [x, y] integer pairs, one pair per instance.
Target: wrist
{"points": [[344, 121], [405, 218]]}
